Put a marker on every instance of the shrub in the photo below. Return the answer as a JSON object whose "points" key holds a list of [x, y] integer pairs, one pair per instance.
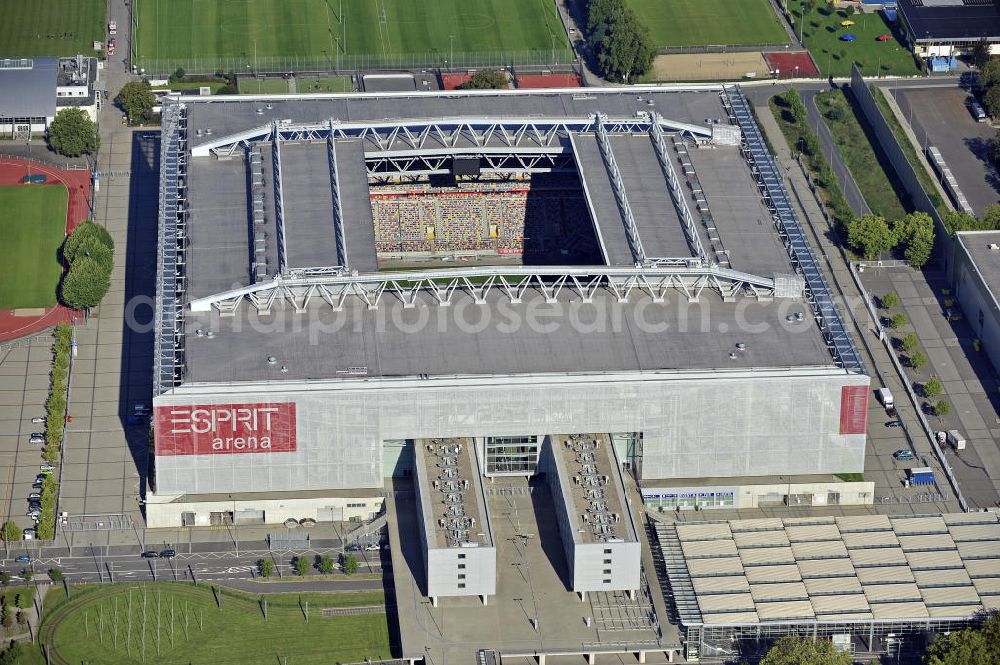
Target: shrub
{"points": [[898, 320], [889, 300], [55, 574], [932, 388], [302, 566], [350, 564], [11, 532], [325, 565], [942, 408], [918, 360], [909, 343], [266, 567]]}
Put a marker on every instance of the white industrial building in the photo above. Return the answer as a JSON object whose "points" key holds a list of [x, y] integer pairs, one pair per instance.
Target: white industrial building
{"points": [[33, 90], [684, 319]]}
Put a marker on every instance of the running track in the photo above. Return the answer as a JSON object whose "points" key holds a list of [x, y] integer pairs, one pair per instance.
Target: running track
{"points": [[78, 184]]}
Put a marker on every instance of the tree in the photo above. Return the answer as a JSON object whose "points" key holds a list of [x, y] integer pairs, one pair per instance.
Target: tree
{"points": [[485, 79], [959, 220], [85, 284], [805, 651], [83, 237], [915, 232], [990, 220], [622, 44], [135, 99], [73, 133], [994, 150], [55, 574], [909, 343], [932, 388], [266, 567], [302, 566], [898, 320], [870, 235], [22, 618], [942, 408], [5, 577], [350, 564], [971, 646], [991, 101], [11, 532], [981, 54], [918, 360], [796, 107], [178, 75], [325, 565], [7, 621], [889, 300], [27, 574]]}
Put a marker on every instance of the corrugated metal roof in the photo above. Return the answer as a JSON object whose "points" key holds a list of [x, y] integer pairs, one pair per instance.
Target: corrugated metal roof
{"points": [[766, 555], [726, 602], [991, 602], [694, 549], [982, 567], [879, 556], [932, 560], [971, 518], [926, 542], [730, 565], [781, 591], [951, 577], [828, 549], [877, 574], [891, 593], [979, 549], [987, 586], [29, 92], [796, 609], [785, 573], [703, 531], [833, 585], [849, 616], [957, 611], [825, 568], [850, 523], [731, 617], [762, 524], [914, 610], [799, 534], [854, 602], [760, 538], [800, 521], [961, 532], [870, 539], [903, 525], [950, 595], [727, 584]]}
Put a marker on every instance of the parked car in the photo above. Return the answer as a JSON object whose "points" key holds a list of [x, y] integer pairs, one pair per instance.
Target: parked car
{"points": [[36, 486], [38, 420], [34, 495], [46, 469], [36, 439], [33, 514], [977, 111], [150, 554], [168, 554], [353, 547], [891, 412], [133, 420], [894, 423], [372, 547], [140, 409], [29, 534], [22, 558], [903, 455]]}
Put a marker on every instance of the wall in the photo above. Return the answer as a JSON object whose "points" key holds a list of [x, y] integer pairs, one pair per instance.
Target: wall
{"points": [[738, 423], [750, 496], [904, 172], [164, 511], [974, 296]]}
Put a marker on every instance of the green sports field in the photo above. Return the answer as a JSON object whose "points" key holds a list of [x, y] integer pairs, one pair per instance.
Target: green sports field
{"points": [[287, 35], [50, 27], [710, 22], [32, 226]]}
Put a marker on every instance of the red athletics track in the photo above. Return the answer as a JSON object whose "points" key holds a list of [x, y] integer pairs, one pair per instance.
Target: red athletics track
{"points": [[77, 182], [567, 80], [785, 64]]}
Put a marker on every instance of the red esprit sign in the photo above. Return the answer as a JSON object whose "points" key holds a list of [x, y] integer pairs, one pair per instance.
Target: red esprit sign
{"points": [[853, 409], [225, 429]]}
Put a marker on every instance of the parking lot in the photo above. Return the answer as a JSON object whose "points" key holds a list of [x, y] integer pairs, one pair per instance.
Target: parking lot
{"points": [[940, 117]]}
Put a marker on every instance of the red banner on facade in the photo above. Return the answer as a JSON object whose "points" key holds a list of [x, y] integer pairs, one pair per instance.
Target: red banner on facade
{"points": [[224, 429], [853, 409]]}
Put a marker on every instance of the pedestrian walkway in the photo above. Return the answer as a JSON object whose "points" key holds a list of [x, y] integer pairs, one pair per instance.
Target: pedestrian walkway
{"points": [[880, 467]]}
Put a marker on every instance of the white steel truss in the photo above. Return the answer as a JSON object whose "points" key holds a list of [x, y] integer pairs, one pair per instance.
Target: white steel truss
{"points": [[506, 134], [478, 283]]}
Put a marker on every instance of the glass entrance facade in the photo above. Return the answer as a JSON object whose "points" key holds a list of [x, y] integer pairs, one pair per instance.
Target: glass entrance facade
{"points": [[511, 455]]}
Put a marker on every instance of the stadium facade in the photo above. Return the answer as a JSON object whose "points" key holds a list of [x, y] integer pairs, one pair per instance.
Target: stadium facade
{"points": [[341, 275]]}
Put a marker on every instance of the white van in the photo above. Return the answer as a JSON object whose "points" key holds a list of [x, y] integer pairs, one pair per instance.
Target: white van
{"points": [[956, 440], [885, 397]]}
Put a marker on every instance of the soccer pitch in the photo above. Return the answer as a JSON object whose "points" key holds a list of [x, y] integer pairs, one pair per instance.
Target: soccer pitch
{"points": [[710, 22], [32, 225], [285, 35], [51, 27]]}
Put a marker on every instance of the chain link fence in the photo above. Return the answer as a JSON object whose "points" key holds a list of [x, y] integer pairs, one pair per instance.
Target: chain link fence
{"points": [[353, 62]]}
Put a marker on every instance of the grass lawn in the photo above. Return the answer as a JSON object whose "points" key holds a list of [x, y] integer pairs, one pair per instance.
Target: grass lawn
{"points": [[193, 85], [324, 84], [263, 86], [173, 624], [32, 226], [285, 35], [51, 27], [859, 155], [710, 22], [821, 34], [925, 178]]}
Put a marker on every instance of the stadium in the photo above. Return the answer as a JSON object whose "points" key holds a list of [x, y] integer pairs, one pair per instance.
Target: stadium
{"points": [[340, 276]]}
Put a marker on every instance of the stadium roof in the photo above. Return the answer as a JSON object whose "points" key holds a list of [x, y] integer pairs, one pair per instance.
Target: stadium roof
{"points": [[979, 246], [28, 87], [934, 20], [851, 568]]}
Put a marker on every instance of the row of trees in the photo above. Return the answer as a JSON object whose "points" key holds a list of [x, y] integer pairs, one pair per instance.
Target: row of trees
{"points": [[302, 565], [89, 252], [622, 46], [872, 235], [959, 220], [55, 406]]}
